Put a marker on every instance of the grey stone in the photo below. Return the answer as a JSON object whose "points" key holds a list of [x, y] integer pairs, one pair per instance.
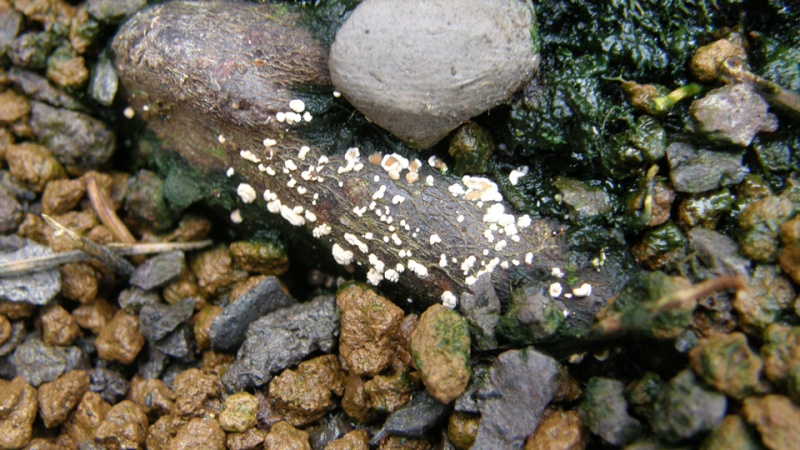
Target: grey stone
{"points": [[105, 81], [481, 307], [132, 300], [10, 211], [17, 335], [37, 87], [159, 270], [153, 364], [695, 170], [30, 49], [179, 343], [78, 141], [732, 115], [11, 23], [420, 68], [40, 363], [532, 315], [328, 429], [110, 384], [156, 321], [685, 408], [413, 419], [583, 200], [467, 402], [113, 11], [521, 383], [229, 327], [605, 412], [719, 252], [282, 339], [37, 288]]}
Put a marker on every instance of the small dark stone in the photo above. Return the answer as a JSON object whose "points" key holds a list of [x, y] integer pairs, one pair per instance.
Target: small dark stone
{"points": [[416, 417], [696, 170], [605, 411], [37, 288], [11, 23], [159, 271], [145, 202], [481, 307], [104, 82], [282, 339], [521, 383], [686, 408], [179, 343], [467, 402], [531, 317], [229, 328], [110, 384], [113, 11], [583, 201], [156, 321], [329, 429], [78, 141], [132, 300], [39, 363], [30, 49], [719, 252], [153, 364], [36, 87], [10, 211], [732, 115]]}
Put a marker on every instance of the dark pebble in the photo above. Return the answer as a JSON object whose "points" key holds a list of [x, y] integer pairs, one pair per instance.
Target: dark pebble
{"points": [[37, 288], [159, 271], [282, 339], [328, 429], [113, 11], [30, 49], [153, 364], [11, 23], [605, 412], [719, 252], [104, 82], [467, 402], [40, 363], [36, 87], [695, 170], [229, 328], [110, 384], [132, 300], [145, 202], [179, 343], [10, 211], [481, 307], [416, 417], [686, 408], [156, 321]]}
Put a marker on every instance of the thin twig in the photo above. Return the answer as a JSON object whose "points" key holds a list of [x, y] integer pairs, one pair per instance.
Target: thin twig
{"points": [[116, 263], [101, 206]]}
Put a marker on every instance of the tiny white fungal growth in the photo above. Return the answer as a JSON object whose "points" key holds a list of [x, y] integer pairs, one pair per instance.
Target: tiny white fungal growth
{"points": [[468, 263], [518, 173], [397, 199], [128, 113], [229, 173], [488, 235], [376, 178], [376, 263], [529, 258], [297, 105], [500, 245], [289, 164], [515, 262], [524, 221], [400, 268], [442, 260], [460, 218], [303, 152], [566, 313], [307, 116], [482, 189], [359, 211], [485, 253], [386, 239], [270, 171], [337, 94], [249, 156], [515, 238], [352, 154], [221, 139], [269, 195], [292, 215], [396, 239], [236, 216], [274, 206], [412, 177], [291, 183], [456, 189], [437, 163], [323, 160], [435, 239], [394, 162], [374, 277], [449, 299], [262, 168], [320, 230], [504, 264], [417, 268], [379, 193], [402, 253], [557, 272], [583, 290], [280, 116], [555, 289], [269, 142], [353, 240], [470, 280], [392, 275], [429, 180], [246, 193], [342, 256], [310, 216], [368, 236], [301, 190]]}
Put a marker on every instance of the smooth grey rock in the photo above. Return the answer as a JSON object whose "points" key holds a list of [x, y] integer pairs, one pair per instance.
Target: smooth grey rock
{"points": [[481, 307], [719, 252], [110, 384], [38, 363], [37, 288], [605, 412], [11, 23], [282, 339], [228, 329], [38, 88], [159, 270], [413, 419], [78, 141], [686, 407], [134, 299], [467, 402], [156, 321], [420, 68], [732, 115], [179, 343], [105, 81], [695, 170], [521, 383]]}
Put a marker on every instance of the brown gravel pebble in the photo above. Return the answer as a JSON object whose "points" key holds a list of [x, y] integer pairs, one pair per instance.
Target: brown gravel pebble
{"points": [[58, 398], [216, 364], [354, 440], [120, 340], [401, 443], [303, 396], [95, 315], [60, 196], [78, 221], [17, 412], [561, 430], [251, 439], [58, 326], [388, 393], [124, 427], [184, 286], [776, 419], [462, 429], [283, 436], [100, 234], [33, 165], [370, 330], [198, 433], [164, 429], [155, 398], [356, 402], [90, 413], [197, 394], [66, 69], [5, 329], [202, 324], [59, 443], [32, 227], [239, 412], [13, 107], [79, 282], [214, 271], [16, 310], [260, 257]]}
